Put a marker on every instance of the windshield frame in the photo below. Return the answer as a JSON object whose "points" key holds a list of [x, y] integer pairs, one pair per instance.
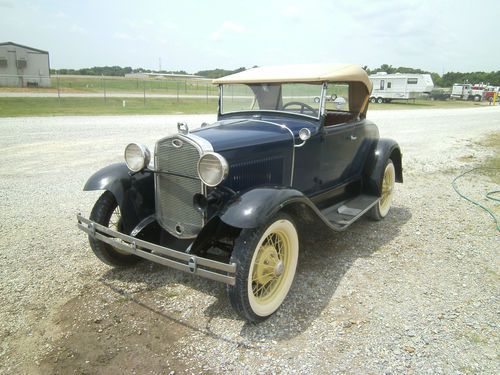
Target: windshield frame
{"points": [[320, 109]]}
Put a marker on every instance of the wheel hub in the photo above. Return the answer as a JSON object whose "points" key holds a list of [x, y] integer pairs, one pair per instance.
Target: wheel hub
{"points": [[266, 264], [279, 268]]}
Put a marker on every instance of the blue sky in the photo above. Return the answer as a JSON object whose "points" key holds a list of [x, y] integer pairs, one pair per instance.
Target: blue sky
{"points": [[434, 35]]}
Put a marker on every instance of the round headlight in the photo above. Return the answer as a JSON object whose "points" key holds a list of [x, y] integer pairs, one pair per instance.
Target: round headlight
{"points": [[137, 157], [212, 169]]}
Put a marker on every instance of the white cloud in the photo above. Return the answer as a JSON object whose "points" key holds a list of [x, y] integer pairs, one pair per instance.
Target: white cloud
{"points": [[60, 14], [292, 10], [127, 37], [227, 27], [76, 29], [141, 24]]}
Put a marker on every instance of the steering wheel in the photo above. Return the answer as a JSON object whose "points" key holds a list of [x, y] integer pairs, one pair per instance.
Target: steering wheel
{"points": [[303, 106]]}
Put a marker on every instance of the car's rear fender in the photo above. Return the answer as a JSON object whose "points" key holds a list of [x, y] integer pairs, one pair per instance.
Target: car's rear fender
{"points": [[382, 150], [133, 193]]}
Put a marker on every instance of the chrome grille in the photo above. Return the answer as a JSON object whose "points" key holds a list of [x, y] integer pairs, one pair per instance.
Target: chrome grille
{"points": [[176, 159]]}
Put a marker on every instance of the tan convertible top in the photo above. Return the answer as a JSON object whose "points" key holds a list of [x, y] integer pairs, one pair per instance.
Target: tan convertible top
{"points": [[354, 75], [310, 73]]}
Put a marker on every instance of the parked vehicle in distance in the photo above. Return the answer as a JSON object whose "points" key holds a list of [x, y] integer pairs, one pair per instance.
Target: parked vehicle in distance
{"points": [[440, 94], [225, 201], [490, 92], [466, 91], [398, 86]]}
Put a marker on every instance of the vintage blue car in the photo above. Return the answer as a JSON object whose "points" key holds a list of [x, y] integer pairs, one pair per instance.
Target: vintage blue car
{"points": [[224, 201]]}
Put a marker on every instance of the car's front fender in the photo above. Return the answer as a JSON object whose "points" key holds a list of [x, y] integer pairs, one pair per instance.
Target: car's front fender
{"points": [[254, 207], [133, 193]]}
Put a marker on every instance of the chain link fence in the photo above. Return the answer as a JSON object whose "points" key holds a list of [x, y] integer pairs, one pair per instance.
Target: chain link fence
{"points": [[109, 87]]}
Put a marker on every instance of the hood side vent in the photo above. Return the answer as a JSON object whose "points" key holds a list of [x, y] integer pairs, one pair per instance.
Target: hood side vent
{"points": [[256, 172]]}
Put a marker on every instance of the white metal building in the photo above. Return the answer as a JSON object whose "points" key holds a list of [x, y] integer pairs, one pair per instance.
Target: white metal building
{"points": [[387, 87], [22, 66]]}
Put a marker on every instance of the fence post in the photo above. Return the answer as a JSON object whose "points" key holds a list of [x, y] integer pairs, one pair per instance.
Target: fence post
{"points": [[58, 90], [104, 87], [207, 94], [144, 87], [177, 91]]}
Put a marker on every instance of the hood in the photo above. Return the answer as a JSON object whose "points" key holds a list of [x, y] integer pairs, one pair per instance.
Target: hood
{"points": [[258, 152], [233, 134]]}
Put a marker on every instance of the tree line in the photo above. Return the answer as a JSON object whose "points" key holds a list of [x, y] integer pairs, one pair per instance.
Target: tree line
{"points": [[446, 80], [118, 71], [114, 71]]}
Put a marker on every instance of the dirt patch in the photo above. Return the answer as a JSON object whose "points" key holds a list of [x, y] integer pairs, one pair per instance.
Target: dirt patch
{"points": [[107, 332]]}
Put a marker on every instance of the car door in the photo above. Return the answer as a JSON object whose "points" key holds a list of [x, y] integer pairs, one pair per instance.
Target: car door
{"points": [[340, 138], [338, 148]]}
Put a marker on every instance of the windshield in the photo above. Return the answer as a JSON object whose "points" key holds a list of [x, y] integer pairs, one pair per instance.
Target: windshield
{"points": [[298, 98]]}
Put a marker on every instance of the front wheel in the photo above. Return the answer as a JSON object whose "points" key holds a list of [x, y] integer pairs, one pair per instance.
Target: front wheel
{"points": [[381, 209], [266, 259], [107, 212]]}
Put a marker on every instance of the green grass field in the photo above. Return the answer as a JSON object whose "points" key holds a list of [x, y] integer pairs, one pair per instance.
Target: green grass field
{"points": [[15, 107], [31, 106]]}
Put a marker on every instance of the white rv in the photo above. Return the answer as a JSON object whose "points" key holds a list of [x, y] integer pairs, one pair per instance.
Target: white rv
{"points": [[387, 87]]}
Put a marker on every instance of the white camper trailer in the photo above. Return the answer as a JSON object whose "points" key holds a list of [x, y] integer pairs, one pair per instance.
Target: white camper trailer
{"points": [[387, 87]]}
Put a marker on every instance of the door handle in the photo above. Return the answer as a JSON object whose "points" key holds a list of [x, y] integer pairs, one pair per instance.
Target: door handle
{"points": [[353, 137]]}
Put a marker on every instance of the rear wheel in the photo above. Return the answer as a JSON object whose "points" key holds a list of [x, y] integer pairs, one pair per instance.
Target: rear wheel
{"points": [[107, 212], [380, 100], [373, 100], [381, 209], [266, 260]]}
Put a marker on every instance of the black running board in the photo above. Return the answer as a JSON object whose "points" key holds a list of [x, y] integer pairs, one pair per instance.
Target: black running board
{"points": [[342, 215]]}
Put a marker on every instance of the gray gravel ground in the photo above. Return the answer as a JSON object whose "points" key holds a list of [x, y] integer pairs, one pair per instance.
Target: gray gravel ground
{"points": [[415, 293]]}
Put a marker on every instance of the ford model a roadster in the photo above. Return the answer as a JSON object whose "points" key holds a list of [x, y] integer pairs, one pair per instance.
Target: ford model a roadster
{"points": [[224, 201]]}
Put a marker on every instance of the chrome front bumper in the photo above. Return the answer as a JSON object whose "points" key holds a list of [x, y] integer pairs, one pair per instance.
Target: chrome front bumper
{"points": [[203, 267]]}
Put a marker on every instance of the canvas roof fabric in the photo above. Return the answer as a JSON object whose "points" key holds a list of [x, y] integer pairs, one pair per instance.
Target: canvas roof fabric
{"points": [[307, 73]]}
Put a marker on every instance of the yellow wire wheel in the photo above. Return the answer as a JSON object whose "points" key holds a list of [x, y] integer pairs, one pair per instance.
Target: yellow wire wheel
{"points": [[381, 209], [273, 267], [388, 182], [115, 223], [267, 260], [107, 212]]}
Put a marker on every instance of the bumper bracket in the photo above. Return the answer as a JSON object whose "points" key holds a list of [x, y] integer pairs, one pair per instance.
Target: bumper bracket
{"points": [[200, 266]]}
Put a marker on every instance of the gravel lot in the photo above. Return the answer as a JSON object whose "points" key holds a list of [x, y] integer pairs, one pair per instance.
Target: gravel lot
{"points": [[415, 293]]}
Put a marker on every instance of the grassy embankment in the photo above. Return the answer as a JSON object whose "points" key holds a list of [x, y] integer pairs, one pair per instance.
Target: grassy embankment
{"points": [[15, 107], [28, 106]]}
